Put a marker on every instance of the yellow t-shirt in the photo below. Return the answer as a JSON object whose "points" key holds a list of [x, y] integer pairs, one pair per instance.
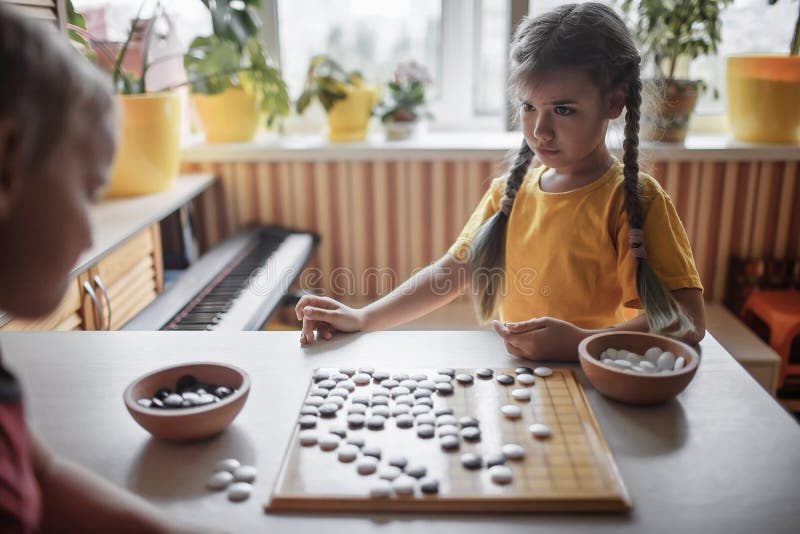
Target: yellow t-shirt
{"points": [[567, 254]]}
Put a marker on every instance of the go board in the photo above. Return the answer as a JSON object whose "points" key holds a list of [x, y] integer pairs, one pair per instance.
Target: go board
{"points": [[567, 467]]}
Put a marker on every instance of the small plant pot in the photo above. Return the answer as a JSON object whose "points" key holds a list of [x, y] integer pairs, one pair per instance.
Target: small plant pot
{"points": [[764, 98], [228, 117], [399, 130], [348, 119], [148, 144], [667, 118]]}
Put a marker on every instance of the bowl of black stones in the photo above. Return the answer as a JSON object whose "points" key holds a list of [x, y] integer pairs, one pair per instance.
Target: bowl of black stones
{"points": [[637, 367], [188, 402]]}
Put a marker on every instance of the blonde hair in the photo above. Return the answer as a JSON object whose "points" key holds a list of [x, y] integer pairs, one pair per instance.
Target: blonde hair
{"points": [[50, 82], [593, 38]]}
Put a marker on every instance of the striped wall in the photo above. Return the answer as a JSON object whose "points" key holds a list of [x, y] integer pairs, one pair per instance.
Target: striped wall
{"points": [[404, 214]]}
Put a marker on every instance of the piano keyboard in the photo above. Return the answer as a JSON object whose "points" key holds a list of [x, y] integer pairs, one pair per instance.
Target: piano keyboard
{"points": [[236, 286]]}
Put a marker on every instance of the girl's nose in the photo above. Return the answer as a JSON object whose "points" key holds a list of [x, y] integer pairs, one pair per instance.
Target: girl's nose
{"points": [[542, 128]]}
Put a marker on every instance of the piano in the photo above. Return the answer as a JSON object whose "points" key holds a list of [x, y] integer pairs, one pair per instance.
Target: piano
{"points": [[235, 286]]}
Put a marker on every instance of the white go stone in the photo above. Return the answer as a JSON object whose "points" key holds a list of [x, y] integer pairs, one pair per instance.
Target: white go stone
{"points": [[361, 379], [400, 390], [540, 430], [611, 353], [410, 384], [219, 480], [526, 379], [338, 392], [381, 488], [367, 465], [348, 453], [404, 485], [633, 358], [328, 442], [513, 451], [419, 377], [228, 464], [622, 364], [647, 367], [608, 361], [426, 419], [652, 354], [315, 400], [666, 362], [349, 385], [239, 491], [427, 384], [442, 378], [543, 371], [307, 437], [245, 473], [680, 363], [511, 411], [501, 474], [400, 376], [521, 394], [389, 472]]}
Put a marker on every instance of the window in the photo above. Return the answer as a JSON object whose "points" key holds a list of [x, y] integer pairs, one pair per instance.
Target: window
{"points": [[366, 35], [493, 38]]}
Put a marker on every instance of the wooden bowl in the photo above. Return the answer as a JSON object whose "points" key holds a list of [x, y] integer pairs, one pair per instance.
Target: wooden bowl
{"points": [[630, 386], [192, 423]]}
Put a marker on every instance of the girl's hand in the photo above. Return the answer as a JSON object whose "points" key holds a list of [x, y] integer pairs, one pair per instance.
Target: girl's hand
{"points": [[542, 338], [326, 316]]}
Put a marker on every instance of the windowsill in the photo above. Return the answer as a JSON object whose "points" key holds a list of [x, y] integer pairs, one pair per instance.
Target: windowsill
{"points": [[466, 146]]}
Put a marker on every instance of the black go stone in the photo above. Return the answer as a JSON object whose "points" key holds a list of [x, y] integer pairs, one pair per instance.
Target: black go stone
{"points": [[185, 382], [484, 373], [495, 459], [523, 371], [468, 421], [470, 460], [506, 380], [162, 394], [429, 485]]}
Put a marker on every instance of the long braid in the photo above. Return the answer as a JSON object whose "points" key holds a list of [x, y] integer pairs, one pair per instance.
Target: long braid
{"points": [[664, 313], [487, 253]]}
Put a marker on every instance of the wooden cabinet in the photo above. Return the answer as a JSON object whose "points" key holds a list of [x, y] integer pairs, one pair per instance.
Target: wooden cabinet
{"points": [[109, 293]]}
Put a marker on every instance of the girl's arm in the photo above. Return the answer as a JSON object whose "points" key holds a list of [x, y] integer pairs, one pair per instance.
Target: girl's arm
{"points": [[429, 289], [547, 338]]}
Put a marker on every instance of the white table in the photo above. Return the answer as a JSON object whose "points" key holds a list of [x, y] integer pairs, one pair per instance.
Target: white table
{"points": [[722, 457]]}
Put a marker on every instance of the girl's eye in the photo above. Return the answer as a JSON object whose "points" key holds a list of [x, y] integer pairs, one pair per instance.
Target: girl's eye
{"points": [[563, 110], [527, 107]]}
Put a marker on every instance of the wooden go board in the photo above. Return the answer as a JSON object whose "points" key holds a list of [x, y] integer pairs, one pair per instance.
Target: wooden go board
{"points": [[571, 470]]}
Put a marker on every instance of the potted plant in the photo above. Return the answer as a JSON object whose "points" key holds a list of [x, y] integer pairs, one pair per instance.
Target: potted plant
{"points": [[230, 75], [668, 30], [347, 100], [148, 139], [402, 111], [764, 94]]}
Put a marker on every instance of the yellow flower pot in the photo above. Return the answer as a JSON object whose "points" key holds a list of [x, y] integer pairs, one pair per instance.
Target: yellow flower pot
{"points": [[228, 117], [348, 118], [764, 98], [148, 144]]}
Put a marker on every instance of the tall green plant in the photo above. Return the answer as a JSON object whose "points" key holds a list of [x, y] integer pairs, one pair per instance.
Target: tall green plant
{"points": [[233, 56], [668, 29]]}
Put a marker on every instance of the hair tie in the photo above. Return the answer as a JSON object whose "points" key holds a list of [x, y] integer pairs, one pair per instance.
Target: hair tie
{"points": [[506, 203], [636, 240]]}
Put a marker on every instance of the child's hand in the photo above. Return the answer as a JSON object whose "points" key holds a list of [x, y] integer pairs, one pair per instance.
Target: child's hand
{"points": [[326, 316], [542, 338]]}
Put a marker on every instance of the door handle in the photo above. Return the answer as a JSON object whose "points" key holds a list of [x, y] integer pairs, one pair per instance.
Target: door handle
{"points": [[99, 283], [87, 287]]}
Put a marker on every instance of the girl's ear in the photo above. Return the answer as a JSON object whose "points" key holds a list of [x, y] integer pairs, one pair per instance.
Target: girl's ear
{"points": [[616, 102], [10, 178]]}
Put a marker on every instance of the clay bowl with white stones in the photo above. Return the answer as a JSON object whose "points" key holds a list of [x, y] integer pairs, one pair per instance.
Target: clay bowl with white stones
{"points": [[615, 380], [195, 422]]}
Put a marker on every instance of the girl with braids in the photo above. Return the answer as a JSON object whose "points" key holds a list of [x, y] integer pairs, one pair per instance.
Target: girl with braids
{"points": [[559, 250]]}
